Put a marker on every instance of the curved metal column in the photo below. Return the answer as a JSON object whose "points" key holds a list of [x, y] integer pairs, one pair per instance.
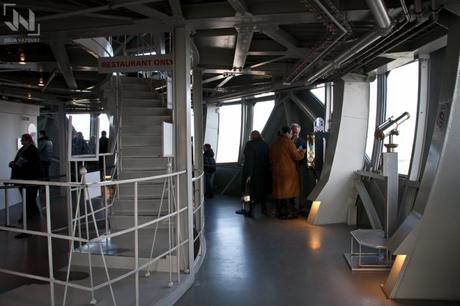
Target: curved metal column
{"points": [[427, 266], [345, 151]]}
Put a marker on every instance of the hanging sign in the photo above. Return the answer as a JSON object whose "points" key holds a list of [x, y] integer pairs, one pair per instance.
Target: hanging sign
{"points": [[135, 63]]}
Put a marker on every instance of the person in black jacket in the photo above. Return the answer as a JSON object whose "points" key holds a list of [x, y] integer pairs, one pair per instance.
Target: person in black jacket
{"points": [[256, 171], [45, 147], [26, 166], [209, 165]]}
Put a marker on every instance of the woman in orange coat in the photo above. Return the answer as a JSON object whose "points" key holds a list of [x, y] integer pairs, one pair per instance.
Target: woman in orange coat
{"points": [[285, 174]]}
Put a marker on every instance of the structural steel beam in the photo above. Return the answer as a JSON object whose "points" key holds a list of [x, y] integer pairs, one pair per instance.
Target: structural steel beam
{"points": [[63, 62], [41, 66], [212, 79], [243, 43], [227, 79], [176, 8], [150, 12], [232, 72], [239, 6]]}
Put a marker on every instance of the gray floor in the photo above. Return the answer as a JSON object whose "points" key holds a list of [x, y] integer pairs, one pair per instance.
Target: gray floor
{"points": [[265, 261]]}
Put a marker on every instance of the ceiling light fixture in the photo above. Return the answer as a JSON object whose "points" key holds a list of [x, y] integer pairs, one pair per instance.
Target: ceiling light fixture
{"points": [[40, 82], [22, 58], [29, 96]]}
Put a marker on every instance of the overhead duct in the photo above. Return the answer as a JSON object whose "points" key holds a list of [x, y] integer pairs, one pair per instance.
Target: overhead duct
{"points": [[384, 27]]}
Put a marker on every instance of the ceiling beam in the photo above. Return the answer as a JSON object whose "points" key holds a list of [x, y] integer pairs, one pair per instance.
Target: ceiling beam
{"points": [[94, 9], [59, 8], [225, 81], [267, 53], [50, 34], [63, 62], [41, 67], [146, 11], [232, 72], [267, 62], [266, 20], [283, 38], [176, 8], [243, 43], [239, 6], [212, 79]]}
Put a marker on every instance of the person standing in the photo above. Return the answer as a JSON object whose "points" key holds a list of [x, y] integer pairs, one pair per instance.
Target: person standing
{"points": [[284, 158], [103, 148], [26, 166], [45, 147], [256, 171], [103, 143], [300, 143], [296, 138], [209, 165]]}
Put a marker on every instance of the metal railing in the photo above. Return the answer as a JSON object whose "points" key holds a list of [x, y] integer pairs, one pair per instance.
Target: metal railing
{"points": [[83, 215]]}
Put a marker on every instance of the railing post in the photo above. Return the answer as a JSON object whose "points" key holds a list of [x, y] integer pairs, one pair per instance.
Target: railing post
{"points": [[24, 208], [136, 240], [50, 245], [177, 228], [83, 173], [7, 208]]}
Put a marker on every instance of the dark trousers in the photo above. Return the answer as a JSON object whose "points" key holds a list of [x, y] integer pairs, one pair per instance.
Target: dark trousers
{"points": [[209, 182], [31, 201], [45, 170]]}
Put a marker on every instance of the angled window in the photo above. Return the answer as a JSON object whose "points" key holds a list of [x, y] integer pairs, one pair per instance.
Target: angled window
{"points": [[104, 124], [262, 111], [372, 118], [228, 142], [320, 93], [402, 96]]}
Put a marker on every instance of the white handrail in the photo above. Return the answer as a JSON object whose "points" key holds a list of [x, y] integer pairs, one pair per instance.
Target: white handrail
{"points": [[89, 215]]}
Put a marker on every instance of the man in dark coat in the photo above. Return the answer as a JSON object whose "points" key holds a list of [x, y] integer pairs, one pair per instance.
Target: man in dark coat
{"points": [[26, 166], [209, 165], [256, 171]]}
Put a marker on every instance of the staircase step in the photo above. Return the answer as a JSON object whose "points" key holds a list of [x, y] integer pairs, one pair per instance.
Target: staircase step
{"points": [[145, 163], [144, 119], [151, 189], [136, 87], [141, 141], [137, 94], [126, 175], [133, 80], [125, 260], [146, 207], [119, 222], [146, 111], [119, 251], [142, 130], [149, 102], [146, 151]]}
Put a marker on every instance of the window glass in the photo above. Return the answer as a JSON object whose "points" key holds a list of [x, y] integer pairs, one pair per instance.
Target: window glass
{"points": [[320, 93], [228, 142], [104, 124], [402, 96], [372, 115], [81, 123], [262, 111]]}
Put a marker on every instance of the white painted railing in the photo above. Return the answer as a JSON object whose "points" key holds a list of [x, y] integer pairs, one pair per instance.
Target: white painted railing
{"points": [[82, 218]]}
